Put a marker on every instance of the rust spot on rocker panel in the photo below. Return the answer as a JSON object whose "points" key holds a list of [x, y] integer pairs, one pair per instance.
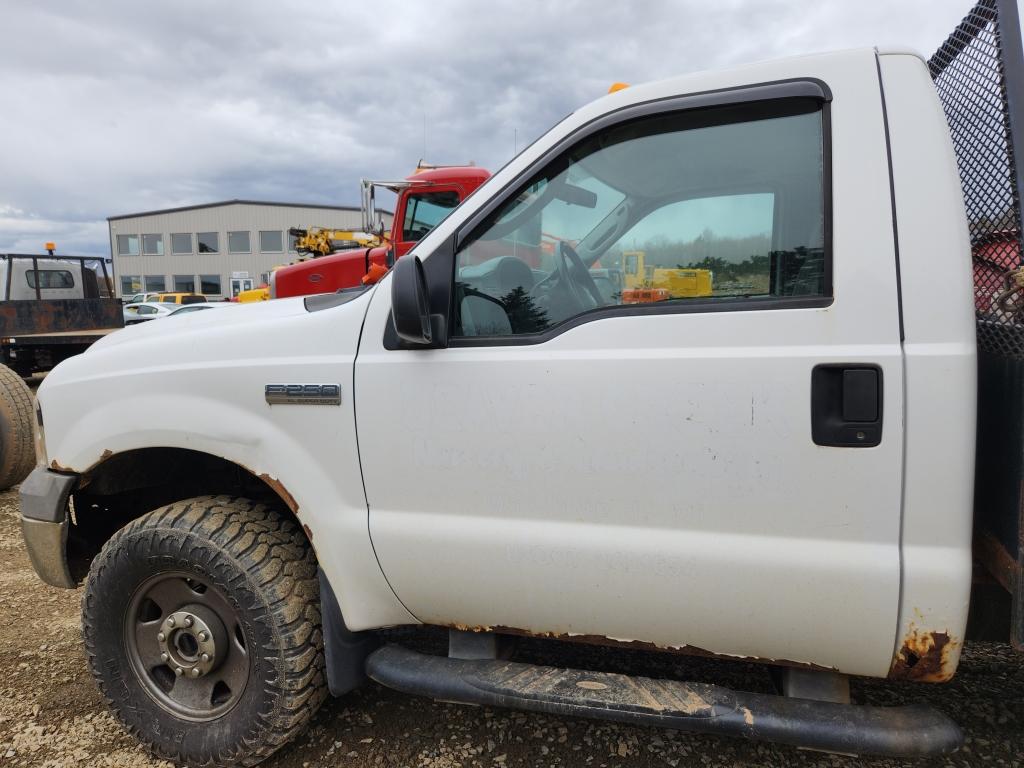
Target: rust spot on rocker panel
{"points": [[641, 645], [281, 491], [925, 657]]}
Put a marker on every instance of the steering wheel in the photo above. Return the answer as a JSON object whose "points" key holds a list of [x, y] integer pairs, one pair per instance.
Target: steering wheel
{"points": [[576, 277]]}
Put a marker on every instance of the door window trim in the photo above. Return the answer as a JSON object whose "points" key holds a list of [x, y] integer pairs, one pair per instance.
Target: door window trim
{"points": [[440, 264]]}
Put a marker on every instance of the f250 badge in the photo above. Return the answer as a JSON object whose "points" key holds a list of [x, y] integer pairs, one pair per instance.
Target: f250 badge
{"points": [[302, 394]]}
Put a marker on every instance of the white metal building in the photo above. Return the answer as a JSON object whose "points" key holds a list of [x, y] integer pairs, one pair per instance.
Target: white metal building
{"points": [[217, 249]]}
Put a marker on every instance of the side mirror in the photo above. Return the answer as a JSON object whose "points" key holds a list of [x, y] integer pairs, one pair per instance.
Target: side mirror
{"points": [[410, 304]]}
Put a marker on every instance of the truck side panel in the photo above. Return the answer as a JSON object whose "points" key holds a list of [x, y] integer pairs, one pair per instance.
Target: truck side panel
{"points": [[941, 379], [654, 478]]}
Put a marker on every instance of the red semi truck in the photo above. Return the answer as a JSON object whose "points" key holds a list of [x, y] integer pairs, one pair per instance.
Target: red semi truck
{"points": [[424, 199]]}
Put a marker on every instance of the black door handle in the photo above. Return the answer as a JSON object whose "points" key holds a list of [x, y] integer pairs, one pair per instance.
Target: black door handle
{"points": [[846, 405]]}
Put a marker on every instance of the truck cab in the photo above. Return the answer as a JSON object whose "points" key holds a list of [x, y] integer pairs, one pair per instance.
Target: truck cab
{"points": [[486, 442], [424, 199], [46, 277]]}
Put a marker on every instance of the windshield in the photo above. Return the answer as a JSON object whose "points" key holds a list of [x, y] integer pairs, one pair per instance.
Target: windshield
{"points": [[424, 211]]}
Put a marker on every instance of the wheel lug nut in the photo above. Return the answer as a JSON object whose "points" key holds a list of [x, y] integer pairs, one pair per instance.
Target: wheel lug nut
{"points": [[164, 657], [206, 658], [179, 671], [188, 621], [203, 637], [170, 621], [194, 672], [161, 636]]}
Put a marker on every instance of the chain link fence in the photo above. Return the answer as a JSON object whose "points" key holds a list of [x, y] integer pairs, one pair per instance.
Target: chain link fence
{"points": [[974, 72]]}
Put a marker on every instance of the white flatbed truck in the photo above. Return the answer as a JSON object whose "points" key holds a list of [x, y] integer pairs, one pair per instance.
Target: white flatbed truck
{"points": [[51, 307], [792, 475]]}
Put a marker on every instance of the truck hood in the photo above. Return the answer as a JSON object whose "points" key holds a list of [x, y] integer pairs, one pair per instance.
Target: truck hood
{"points": [[198, 380], [197, 323]]}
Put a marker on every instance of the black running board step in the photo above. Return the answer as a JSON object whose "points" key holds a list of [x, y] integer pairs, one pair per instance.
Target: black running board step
{"points": [[907, 731]]}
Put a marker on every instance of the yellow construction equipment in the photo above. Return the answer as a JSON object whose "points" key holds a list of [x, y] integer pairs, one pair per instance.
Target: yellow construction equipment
{"points": [[678, 283], [319, 241], [254, 294]]}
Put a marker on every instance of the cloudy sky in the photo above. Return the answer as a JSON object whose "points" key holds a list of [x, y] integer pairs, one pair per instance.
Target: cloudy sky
{"points": [[114, 107]]}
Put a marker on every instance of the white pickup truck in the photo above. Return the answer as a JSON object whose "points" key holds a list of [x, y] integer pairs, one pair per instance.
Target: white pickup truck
{"points": [[489, 443]]}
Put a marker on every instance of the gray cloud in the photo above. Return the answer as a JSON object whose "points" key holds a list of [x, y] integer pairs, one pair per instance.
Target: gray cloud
{"points": [[117, 107]]}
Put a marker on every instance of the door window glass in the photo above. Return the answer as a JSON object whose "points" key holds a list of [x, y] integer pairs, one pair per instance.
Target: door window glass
{"points": [[702, 247], [425, 211], [711, 206]]}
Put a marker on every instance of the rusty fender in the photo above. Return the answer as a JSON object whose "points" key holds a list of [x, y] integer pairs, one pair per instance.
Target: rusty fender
{"points": [[925, 657]]}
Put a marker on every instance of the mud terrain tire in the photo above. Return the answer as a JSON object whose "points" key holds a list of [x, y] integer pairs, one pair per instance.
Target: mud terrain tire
{"points": [[17, 452], [243, 573]]}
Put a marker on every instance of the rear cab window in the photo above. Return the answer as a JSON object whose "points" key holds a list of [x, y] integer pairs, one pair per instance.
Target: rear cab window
{"points": [[49, 279]]}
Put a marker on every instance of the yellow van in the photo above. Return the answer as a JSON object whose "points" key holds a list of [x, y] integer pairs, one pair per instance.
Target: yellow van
{"points": [[180, 298]]}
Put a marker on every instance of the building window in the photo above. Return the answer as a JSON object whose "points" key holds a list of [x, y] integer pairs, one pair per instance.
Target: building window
{"points": [[181, 242], [130, 285], [238, 242], [292, 240], [270, 241], [209, 284], [152, 245], [185, 283], [155, 283], [208, 242], [127, 245]]}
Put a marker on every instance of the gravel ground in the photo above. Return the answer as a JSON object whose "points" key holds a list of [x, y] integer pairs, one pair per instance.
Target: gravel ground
{"points": [[52, 715]]}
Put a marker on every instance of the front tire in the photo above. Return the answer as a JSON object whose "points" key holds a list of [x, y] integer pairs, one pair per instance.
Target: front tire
{"points": [[201, 622]]}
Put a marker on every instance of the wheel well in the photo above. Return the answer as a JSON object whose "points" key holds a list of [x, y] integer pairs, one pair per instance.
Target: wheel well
{"points": [[128, 485]]}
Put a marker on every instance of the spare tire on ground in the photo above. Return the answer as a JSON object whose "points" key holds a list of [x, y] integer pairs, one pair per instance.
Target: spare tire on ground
{"points": [[17, 452]]}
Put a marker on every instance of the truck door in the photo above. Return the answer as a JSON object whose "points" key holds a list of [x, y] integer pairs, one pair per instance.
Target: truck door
{"points": [[719, 472]]}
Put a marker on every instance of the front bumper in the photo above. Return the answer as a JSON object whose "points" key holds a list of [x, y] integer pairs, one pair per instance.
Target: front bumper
{"points": [[44, 524]]}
